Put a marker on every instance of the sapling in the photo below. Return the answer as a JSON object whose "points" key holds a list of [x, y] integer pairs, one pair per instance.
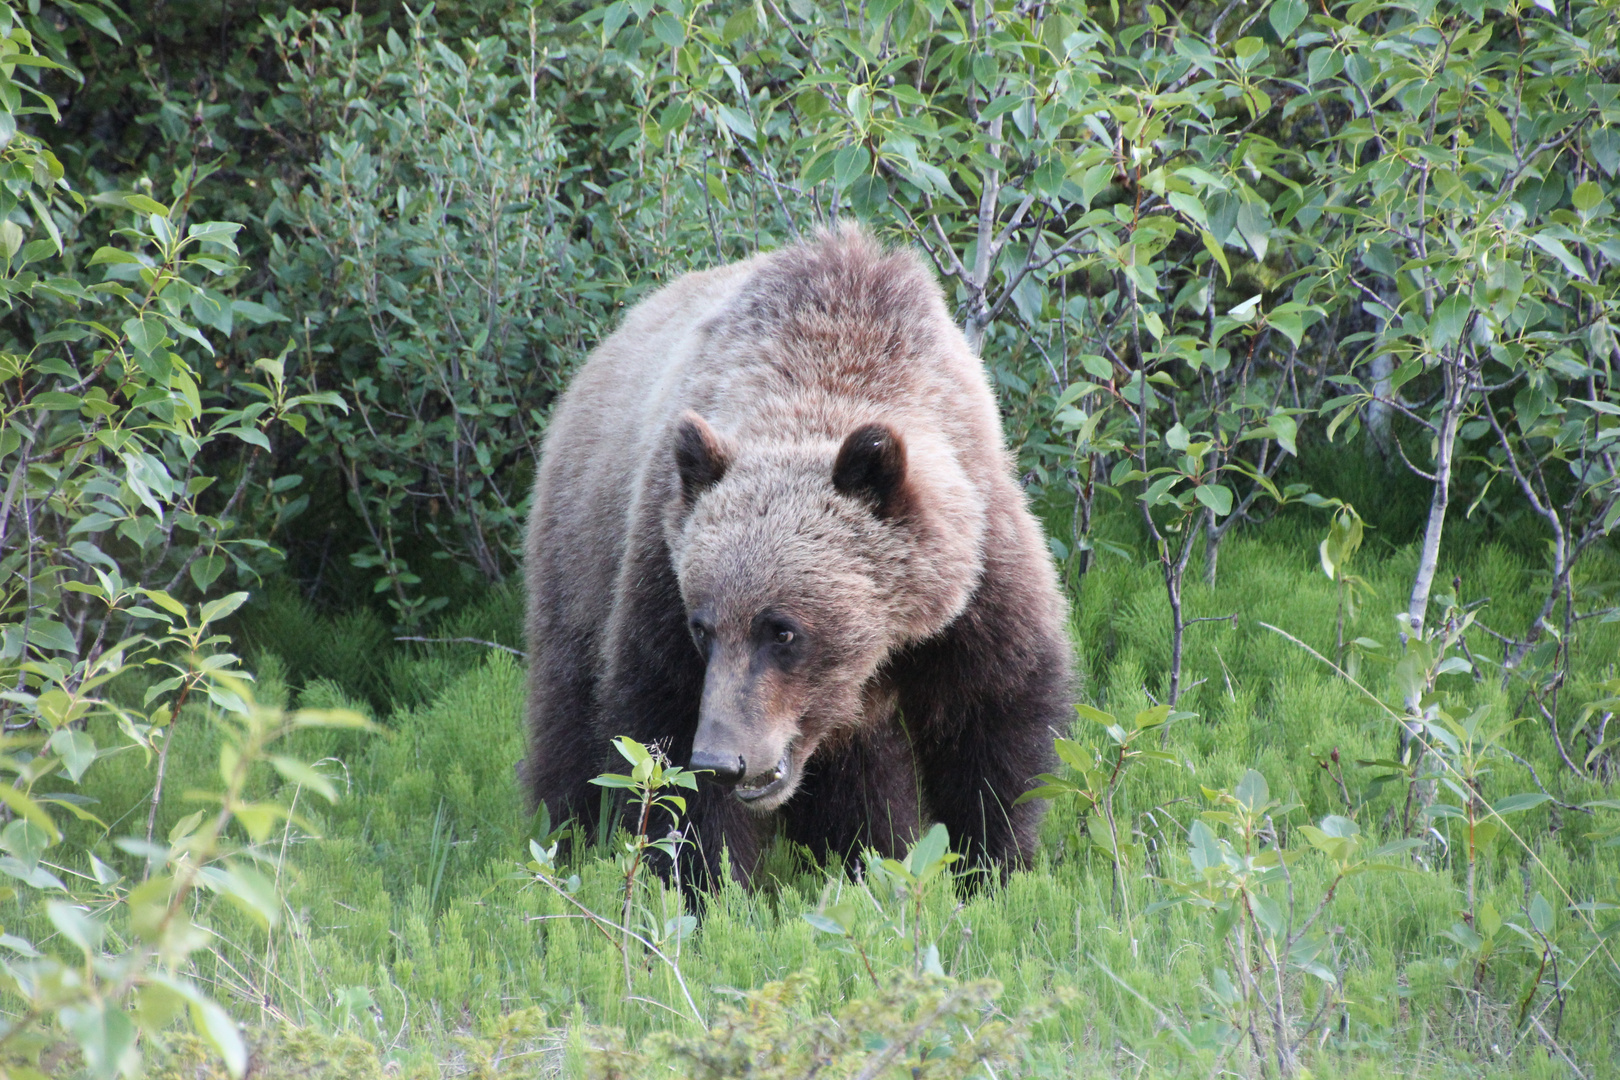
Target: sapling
{"points": [[1337, 549], [650, 781], [135, 940], [1093, 778], [1462, 753], [1239, 862], [897, 889]]}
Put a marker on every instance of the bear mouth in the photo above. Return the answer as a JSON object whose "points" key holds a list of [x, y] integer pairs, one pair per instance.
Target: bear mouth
{"points": [[767, 784]]}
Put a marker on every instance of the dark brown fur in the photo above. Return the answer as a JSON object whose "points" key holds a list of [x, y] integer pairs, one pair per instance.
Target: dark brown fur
{"points": [[803, 435]]}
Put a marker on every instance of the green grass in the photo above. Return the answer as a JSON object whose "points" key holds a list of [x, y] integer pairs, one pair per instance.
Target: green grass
{"points": [[413, 892]]}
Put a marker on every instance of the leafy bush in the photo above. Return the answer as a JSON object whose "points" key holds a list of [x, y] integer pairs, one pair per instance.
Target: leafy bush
{"points": [[1202, 250], [430, 259], [107, 451], [917, 1027]]}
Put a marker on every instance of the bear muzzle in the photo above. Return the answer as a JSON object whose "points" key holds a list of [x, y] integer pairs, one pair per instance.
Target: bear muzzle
{"points": [[776, 780], [750, 785], [747, 730]]}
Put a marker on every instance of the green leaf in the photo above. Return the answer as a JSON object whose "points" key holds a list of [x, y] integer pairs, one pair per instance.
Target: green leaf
{"points": [[145, 205], [1541, 915], [215, 610], [1094, 715], [28, 808], [1555, 248], [111, 255], [1252, 791], [222, 233], [1202, 846], [1336, 825], [303, 774], [25, 840], [1218, 497], [165, 601], [77, 750], [1517, 804], [1450, 316], [1285, 429], [824, 924], [850, 162], [50, 634], [346, 719], [739, 24], [737, 121], [212, 309], [1285, 17], [256, 313], [146, 334], [1606, 148], [927, 853], [1213, 246], [217, 1028], [631, 750], [93, 15], [1288, 323], [77, 925], [668, 29], [1156, 491], [1151, 718], [105, 1035], [1072, 753], [206, 570], [1254, 226], [249, 890]]}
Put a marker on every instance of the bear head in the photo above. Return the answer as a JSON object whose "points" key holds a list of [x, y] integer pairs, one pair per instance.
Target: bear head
{"points": [[803, 567]]}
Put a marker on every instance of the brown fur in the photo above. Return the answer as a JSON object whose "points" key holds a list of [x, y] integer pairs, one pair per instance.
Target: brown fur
{"points": [[799, 444]]}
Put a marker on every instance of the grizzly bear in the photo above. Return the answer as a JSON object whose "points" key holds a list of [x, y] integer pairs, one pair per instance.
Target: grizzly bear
{"points": [[776, 532]]}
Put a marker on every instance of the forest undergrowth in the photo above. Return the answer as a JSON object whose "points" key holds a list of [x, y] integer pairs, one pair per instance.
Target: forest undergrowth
{"points": [[414, 935]]}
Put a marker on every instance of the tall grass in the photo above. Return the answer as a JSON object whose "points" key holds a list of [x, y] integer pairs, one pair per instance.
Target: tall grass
{"points": [[405, 898]]}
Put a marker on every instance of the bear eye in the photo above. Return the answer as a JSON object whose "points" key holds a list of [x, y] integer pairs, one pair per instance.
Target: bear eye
{"points": [[784, 637], [700, 637]]}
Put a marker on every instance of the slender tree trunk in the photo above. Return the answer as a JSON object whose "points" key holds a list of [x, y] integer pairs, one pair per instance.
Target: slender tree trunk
{"points": [[1178, 629], [1420, 793], [1338, 629], [1379, 414], [978, 319], [1175, 576], [1445, 442], [1085, 494]]}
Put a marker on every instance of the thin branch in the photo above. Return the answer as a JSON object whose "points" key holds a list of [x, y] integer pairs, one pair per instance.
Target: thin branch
{"points": [[519, 653], [1535, 776]]}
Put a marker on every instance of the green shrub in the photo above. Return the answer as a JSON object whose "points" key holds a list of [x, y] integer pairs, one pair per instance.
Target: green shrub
{"points": [[109, 451], [431, 262]]}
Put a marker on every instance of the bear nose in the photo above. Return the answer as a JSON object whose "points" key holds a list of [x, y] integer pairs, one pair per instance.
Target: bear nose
{"points": [[727, 768]]}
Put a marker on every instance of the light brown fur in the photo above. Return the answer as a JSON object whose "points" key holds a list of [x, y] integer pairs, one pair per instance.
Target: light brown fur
{"points": [[767, 367]]}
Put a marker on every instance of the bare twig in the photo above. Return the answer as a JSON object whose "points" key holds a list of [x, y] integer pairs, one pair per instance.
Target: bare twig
{"points": [[519, 653]]}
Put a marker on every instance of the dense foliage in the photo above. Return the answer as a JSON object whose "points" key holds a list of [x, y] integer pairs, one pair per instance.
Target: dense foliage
{"points": [[286, 298]]}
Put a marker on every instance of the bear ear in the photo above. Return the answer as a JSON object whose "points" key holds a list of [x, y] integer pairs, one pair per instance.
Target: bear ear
{"points": [[701, 458], [871, 465]]}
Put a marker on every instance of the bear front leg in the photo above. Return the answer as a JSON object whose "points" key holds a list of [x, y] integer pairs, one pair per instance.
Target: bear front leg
{"points": [[861, 793], [564, 752], [716, 822], [982, 702]]}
